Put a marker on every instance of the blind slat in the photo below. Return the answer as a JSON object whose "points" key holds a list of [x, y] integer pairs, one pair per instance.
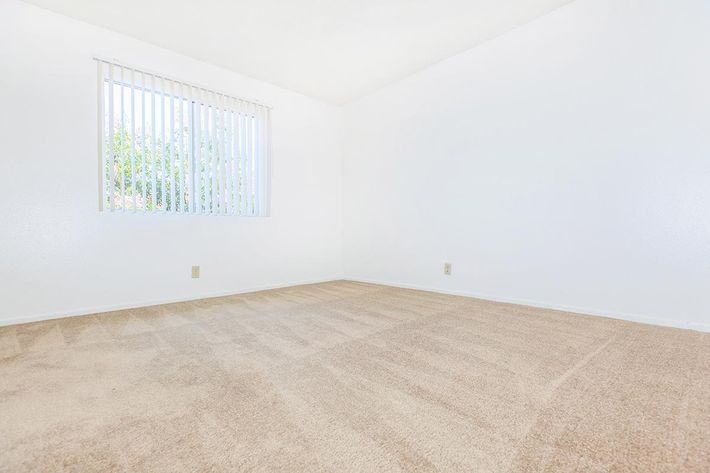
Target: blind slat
{"points": [[233, 159], [214, 156], [182, 156], [171, 152], [110, 185], [154, 143], [122, 158], [143, 150], [223, 154], [163, 147], [198, 153], [204, 188], [210, 163], [190, 158], [257, 161], [133, 140], [248, 172], [242, 156], [217, 177]]}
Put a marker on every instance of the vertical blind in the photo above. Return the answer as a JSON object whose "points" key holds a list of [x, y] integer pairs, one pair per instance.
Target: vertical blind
{"points": [[168, 146]]}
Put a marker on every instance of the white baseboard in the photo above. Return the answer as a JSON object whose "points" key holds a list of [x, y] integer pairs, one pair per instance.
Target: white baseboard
{"points": [[109, 308], [701, 327]]}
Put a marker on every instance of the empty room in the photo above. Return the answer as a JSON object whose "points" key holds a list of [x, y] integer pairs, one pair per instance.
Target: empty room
{"points": [[355, 236]]}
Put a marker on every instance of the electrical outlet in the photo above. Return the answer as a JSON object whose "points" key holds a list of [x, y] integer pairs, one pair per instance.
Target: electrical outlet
{"points": [[447, 269], [195, 272]]}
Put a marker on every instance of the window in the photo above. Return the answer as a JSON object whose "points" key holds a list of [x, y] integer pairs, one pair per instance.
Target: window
{"points": [[167, 146]]}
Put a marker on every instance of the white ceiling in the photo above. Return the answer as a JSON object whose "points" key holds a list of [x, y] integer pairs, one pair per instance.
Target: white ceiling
{"points": [[335, 50]]}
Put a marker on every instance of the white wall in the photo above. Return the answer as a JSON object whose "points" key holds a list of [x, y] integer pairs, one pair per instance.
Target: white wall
{"points": [[59, 255], [565, 164]]}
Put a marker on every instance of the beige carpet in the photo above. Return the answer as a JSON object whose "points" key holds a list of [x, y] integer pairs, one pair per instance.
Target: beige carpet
{"points": [[349, 377]]}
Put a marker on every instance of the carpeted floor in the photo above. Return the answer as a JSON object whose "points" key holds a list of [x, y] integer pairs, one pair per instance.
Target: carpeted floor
{"points": [[349, 377]]}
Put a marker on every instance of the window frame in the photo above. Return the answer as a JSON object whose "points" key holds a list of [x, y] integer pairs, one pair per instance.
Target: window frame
{"points": [[254, 115]]}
